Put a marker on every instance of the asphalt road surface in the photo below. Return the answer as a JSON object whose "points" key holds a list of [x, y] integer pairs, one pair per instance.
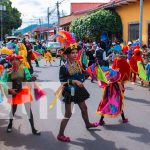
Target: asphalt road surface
{"points": [[134, 135]]}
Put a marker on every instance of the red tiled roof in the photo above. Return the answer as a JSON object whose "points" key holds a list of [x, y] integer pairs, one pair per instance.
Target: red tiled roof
{"points": [[42, 29], [68, 19]]}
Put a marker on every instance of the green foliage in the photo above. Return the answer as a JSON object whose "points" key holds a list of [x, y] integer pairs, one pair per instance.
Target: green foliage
{"points": [[91, 26], [11, 18]]}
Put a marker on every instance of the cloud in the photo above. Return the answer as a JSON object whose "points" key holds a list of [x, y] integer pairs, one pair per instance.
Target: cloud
{"points": [[30, 2], [35, 9]]}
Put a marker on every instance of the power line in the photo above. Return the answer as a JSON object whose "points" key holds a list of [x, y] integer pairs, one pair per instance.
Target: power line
{"points": [[58, 14], [49, 13], [61, 2]]}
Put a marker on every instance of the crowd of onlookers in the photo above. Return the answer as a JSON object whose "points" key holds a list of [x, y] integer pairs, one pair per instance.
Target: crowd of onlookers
{"points": [[104, 54]]}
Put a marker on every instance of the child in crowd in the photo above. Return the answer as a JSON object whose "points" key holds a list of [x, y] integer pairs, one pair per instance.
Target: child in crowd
{"points": [[48, 57], [147, 67]]}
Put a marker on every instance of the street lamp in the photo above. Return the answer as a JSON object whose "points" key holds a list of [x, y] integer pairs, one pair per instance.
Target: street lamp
{"points": [[2, 8], [141, 21]]}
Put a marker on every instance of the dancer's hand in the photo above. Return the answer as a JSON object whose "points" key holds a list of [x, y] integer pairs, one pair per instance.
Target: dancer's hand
{"points": [[10, 70], [12, 91], [78, 83]]}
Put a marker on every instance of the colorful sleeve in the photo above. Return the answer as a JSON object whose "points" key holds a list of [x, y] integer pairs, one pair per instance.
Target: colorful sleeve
{"points": [[16, 49], [5, 76], [4, 85], [4, 80], [114, 65], [147, 67], [27, 74]]}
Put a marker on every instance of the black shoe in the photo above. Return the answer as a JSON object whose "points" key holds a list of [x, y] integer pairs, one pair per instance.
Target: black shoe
{"points": [[92, 81], [36, 132], [142, 83], [9, 128]]}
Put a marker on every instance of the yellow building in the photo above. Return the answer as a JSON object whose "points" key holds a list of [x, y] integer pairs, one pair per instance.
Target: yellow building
{"points": [[129, 11]]}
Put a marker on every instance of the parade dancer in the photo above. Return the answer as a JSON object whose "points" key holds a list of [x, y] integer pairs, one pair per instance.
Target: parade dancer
{"points": [[72, 78], [29, 52], [1, 83], [120, 63], [112, 101], [133, 62], [20, 93], [48, 57], [147, 67], [23, 52]]}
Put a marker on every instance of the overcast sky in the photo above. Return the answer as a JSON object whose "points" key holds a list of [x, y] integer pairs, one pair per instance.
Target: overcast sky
{"points": [[32, 10]]}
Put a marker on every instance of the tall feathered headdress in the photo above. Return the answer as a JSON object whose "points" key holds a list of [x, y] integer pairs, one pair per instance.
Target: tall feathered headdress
{"points": [[66, 39]]}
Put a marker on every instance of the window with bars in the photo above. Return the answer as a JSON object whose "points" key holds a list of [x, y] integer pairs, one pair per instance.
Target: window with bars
{"points": [[133, 31]]}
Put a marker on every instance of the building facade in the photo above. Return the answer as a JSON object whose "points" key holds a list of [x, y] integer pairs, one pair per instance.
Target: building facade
{"points": [[77, 10], [130, 16], [129, 11]]}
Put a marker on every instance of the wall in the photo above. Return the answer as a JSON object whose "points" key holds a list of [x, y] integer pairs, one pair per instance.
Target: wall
{"points": [[131, 13]]}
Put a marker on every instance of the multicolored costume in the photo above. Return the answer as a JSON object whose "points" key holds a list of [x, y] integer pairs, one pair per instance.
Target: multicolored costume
{"points": [[112, 101], [73, 93], [147, 67], [71, 77], [23, 52], [1, 83], [133, 62], [20, 94], [48, 56], [17, 76], [122, 65]]}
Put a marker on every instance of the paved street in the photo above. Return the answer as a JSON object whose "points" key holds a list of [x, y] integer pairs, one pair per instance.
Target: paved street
{"points": [[113, 136]]}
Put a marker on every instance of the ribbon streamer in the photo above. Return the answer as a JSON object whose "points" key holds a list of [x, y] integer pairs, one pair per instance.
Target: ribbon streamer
{"points": [[57, 96]]}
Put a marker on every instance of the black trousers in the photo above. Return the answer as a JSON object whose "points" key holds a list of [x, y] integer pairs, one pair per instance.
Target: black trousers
{"points": [[30, 64], [37, 63]]}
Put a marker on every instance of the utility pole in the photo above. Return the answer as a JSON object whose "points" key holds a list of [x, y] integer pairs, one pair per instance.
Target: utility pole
{"points": [[62, 13], [58, 15], [48, 16], [2, 8], [49, 13], [40, 27], [141, 21]]}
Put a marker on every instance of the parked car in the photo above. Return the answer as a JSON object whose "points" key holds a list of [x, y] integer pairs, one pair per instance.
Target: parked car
{"points": [[13, 38], [54, 47]]}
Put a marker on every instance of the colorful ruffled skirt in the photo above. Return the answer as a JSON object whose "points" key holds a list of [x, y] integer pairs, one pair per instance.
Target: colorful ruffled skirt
{"points": [[112, 101], [23, 96]]}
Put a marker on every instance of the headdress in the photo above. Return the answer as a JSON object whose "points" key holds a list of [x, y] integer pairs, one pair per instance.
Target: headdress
{"points": [[112, 76], [67, 40], [9, 58]]}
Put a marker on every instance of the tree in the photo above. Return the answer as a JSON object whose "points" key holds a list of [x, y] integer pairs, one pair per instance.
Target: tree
{"points": [[11, 18], [91, 26]]}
